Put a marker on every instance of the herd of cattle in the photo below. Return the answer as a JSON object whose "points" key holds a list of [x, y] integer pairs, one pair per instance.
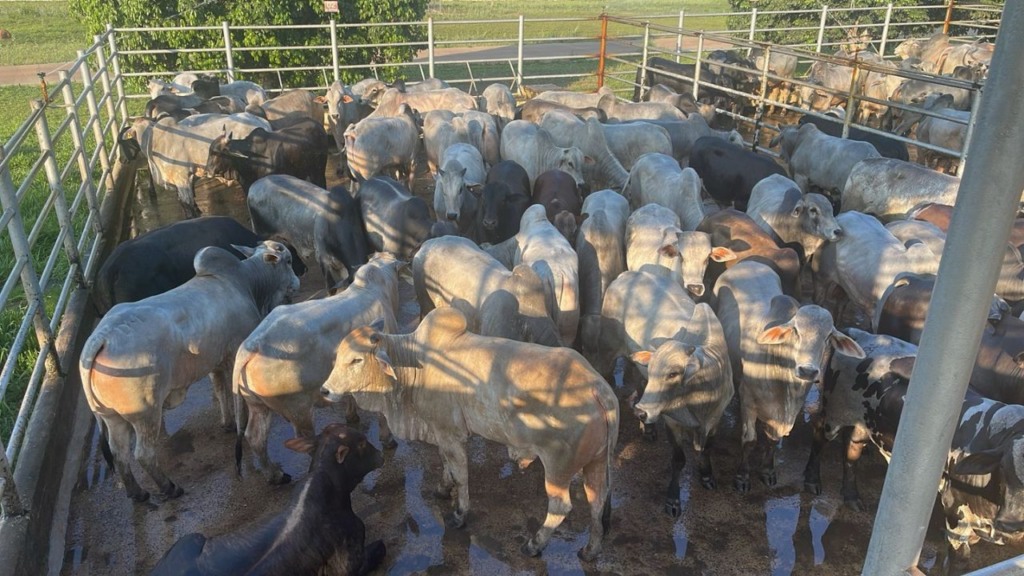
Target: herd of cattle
{"points": [[530, 286]]}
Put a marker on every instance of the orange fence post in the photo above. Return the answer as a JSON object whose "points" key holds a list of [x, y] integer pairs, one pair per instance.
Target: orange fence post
{"points": [[604, 46]]}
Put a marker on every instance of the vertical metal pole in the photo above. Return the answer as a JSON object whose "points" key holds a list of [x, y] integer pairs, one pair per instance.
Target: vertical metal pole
{"points": [[60, 203], [851, 99], [89, 89], [115, 59], [104, 65], [602, 50], [759, 115], [519, 54], [334, 50], [885, 31], [949, 16], [679, 39], [753, 28], [23, 252], [430, 45], [971, 124], [643, 59], [227, 52], [821, 29], [696, 68], [985, 209], [10, 501]]}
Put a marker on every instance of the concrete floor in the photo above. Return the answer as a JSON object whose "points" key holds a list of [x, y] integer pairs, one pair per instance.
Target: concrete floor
{"points": [[779, 531]]}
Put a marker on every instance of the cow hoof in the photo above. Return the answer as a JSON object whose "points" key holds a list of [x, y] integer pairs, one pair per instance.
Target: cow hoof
{"points": [[708, 482], [673, 508], [374, 554], [854, 504], [813, 487], [443, 493], [531, 549], [139, 497], [457, 519], [173, 491], [587, 555], [742, 483], [769, 479], [281, 480]]}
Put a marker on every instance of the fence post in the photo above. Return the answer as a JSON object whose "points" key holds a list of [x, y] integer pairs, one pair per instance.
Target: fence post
{"points": [[970, 131], [759, 115], [227, 52], [679, 39], [696, 67], [334, 50], [851, 99], [753, 28], [821, 28], [60, 203], [115, 60], [643, 59], [430, 45], [519, 54], [104, 65], [602, 50], [89, 89], [885, 30], [949, 17]]}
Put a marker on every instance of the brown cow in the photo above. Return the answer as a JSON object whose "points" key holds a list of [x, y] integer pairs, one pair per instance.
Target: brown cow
{"points": [[738, 232], [941, 214], [557, 192]]}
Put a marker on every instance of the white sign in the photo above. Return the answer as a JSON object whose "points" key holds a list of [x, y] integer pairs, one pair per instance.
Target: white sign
{"points": [[330, 5]]}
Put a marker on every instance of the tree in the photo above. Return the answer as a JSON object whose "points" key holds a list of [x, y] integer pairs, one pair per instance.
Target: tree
{"points": [[870, 21], [299, 42]]}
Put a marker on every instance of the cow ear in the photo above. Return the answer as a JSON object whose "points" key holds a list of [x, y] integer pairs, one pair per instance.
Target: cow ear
{"points": [[846, 345], [722, 254], [320, 100], [347, 99], [340, 454], [669, 250], [642, 357], [798, 208], [246, 251], [271, 258], [984, 462], [1019, 359], [301, 444], [474, 189], [384, 361], [377, 326], [588, 160], [776, 334]]}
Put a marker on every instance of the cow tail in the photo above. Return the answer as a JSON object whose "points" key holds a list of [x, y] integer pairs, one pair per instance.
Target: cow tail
{"points": [[93, 347], [241, 407]]}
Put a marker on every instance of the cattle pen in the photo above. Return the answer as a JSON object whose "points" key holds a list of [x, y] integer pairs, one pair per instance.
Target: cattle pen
{"points": [[68, 197]]}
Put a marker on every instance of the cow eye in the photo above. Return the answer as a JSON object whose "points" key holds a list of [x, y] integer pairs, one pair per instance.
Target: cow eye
{"points": [[355, 361], [673, 375]]}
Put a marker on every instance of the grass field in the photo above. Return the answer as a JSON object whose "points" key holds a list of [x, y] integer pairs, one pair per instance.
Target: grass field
{"points": [[42, 32]]}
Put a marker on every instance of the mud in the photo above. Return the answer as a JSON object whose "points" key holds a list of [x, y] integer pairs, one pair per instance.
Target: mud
{"points": [[777, 531]]}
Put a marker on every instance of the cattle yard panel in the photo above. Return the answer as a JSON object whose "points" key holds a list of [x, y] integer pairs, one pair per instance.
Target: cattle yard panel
{"points": [[55, 171]]}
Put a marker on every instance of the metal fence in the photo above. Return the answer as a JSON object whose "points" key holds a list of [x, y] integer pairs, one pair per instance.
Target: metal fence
{"points": [[57, 168]]}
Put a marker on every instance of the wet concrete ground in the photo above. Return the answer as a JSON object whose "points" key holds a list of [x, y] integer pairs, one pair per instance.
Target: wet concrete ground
{"points": [[778, 531]]}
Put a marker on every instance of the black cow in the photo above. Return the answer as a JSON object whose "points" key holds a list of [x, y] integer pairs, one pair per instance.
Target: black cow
{"points": [[730, 172], [708, 93], [886, 146], [299, 149], [162, 259], [504, 198], [319, 533]]}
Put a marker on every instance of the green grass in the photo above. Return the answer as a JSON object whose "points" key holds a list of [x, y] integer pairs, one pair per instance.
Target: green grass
{"points": [[14, 101], [42, 32]]}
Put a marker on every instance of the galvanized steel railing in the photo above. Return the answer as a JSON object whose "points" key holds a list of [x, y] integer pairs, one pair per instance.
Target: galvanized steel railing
{"points": [[52, 181]]}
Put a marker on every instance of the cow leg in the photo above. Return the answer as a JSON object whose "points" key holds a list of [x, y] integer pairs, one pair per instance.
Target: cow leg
{"points": [[387, 439], [457, 467], [749, 419], [187, 197], [768, 476], [812, 471], [596, 484], [119, 436], [673, 507], [854, 443], [221, 380], [559, 506], [256, 433], [707, 475], [147, 431]]}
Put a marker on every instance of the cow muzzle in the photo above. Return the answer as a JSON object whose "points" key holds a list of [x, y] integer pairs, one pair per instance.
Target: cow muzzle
{"points": [[695, 289], [452, 216], [490, 224], [330, 396], [807, 373]]}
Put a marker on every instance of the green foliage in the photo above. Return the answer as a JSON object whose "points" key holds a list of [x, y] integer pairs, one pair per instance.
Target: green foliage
{"points": [[838, 23], [95, 14]]}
